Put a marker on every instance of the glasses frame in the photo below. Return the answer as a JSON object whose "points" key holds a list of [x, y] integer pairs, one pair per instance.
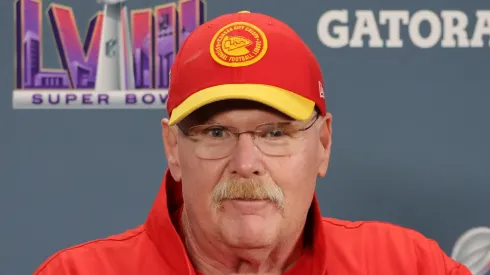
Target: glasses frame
{"points": [[251, 132]]}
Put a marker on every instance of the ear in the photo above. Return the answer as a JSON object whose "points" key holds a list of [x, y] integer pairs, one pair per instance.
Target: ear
{"points": [[169, 136], [326, 144]]}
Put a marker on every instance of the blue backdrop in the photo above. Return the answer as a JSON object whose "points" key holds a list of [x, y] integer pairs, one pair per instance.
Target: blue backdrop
{"points": [[410, 129]]}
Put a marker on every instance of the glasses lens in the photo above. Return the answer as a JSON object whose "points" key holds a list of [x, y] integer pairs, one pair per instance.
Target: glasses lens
{"points": [[212, 141], [278, 139]]}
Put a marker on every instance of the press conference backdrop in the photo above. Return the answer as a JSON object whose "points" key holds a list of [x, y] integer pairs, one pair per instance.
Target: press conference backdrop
{"points": [[407, 83]]}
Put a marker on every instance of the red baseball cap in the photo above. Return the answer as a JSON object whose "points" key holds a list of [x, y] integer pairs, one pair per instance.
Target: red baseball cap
{"points": [[246, 56]]}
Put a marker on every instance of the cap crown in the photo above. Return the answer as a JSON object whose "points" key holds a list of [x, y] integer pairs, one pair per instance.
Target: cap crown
{"points": [[248, 48]]}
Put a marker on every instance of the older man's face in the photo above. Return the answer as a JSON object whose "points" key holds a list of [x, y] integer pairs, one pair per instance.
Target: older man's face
{"points": [[253, 192]]}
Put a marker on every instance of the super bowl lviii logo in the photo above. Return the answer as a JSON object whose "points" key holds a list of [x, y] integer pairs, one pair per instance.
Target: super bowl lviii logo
{"points": [[123, 62]]}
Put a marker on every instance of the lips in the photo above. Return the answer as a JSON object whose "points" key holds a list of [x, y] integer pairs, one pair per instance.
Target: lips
{"points": [[249, 207]]}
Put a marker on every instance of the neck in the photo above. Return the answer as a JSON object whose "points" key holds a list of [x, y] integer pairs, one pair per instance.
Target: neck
{"points": [[210, 255]]}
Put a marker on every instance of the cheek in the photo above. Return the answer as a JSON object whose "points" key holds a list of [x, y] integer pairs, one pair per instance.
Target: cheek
{"points": [[295, 169], [296, 175], [198, 176]]}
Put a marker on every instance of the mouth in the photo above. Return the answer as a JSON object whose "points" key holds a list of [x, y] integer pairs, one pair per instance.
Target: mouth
{"points": [[249, 199], [249, 206]]}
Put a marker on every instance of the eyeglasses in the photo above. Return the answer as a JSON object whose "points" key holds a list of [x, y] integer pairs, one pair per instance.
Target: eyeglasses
{"points": [[215, 141]]}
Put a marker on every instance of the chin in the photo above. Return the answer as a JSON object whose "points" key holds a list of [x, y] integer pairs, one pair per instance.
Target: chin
{"points": [[249, 232]]}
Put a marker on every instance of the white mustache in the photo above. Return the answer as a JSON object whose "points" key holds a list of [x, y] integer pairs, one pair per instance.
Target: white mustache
{"points": [[247, 189]]}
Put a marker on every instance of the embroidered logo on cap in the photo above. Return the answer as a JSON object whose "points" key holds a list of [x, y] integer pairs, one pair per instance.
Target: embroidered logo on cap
{"points": [[320, 89], [238, 44]]}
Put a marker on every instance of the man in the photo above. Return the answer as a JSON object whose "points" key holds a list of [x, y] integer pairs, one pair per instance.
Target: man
{"points": [[247, 136]]}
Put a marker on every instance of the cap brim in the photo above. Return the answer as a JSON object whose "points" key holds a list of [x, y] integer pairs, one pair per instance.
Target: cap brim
{"points": [[289, 103]]}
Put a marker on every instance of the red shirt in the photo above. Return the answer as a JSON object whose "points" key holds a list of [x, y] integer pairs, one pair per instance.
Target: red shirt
{"points": [[336, 247]]}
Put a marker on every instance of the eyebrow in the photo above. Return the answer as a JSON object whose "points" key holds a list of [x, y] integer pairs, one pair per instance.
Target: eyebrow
{"points": [[191, 122], [209, 122]]}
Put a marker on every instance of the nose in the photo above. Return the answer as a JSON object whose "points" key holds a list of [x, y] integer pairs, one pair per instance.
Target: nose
{"points": [[246, 159]]}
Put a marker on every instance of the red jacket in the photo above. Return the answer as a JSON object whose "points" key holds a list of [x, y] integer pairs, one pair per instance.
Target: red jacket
{"points": [[338, 248]]}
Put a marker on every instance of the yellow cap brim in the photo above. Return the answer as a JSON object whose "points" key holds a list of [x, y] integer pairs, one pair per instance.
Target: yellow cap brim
{"points": [[289, 103]]}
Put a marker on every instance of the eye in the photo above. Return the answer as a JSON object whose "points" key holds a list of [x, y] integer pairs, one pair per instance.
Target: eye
{"points": [[275, 133], [215, 132]]}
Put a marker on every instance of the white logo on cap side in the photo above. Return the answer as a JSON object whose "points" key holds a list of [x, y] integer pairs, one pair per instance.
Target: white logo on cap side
{"points": [[320, 89]]}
